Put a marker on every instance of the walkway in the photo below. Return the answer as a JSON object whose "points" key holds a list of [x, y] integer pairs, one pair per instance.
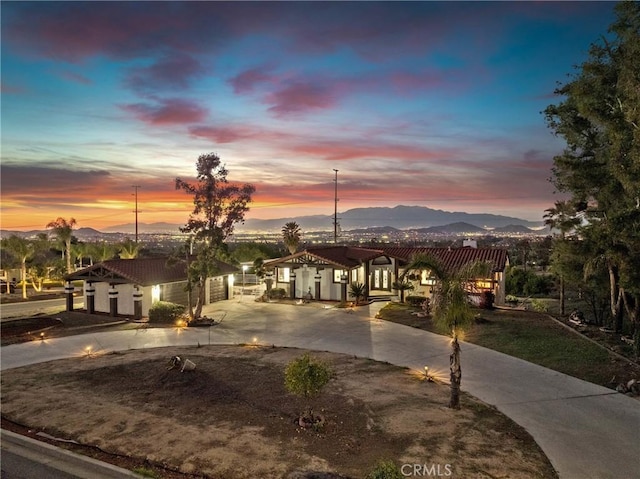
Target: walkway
{"points": [[587, 431]]}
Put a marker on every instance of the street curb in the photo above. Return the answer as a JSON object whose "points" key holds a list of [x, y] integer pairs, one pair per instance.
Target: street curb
{"points": [[62, 457]]}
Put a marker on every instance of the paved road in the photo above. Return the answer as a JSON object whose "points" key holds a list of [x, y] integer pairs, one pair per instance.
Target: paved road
{"points": [[26, 458], [11, 311], [587, 431]]}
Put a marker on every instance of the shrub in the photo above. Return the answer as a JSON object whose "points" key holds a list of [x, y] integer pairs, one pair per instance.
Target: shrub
{"points": [[539, 305], [165, 312], [277, 293], [415, 300], [306, 376], [385, 469], [486, 300]]}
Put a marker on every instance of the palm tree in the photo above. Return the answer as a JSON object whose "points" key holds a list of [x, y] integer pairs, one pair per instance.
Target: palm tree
{"points": [[101, 251], [291, 235], [452, 309], [63, 230], [23, 250], [357, 290], [129, 249], [402, 286]]}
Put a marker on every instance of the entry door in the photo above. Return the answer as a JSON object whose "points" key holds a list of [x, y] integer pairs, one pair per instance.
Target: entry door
{"points": [[385, 279]]}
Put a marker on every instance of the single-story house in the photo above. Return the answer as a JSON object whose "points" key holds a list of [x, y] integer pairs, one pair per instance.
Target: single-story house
{"points": [[129, 287], [325, 272]]}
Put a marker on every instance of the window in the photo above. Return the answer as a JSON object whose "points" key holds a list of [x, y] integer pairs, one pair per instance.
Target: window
{"points": [[354, 275], [283, 275], [337, 273], [426, 279]]}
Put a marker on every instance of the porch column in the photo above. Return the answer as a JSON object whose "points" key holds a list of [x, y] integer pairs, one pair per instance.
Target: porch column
{"points": [[269, 281], [113, 301], [137, 303], [68, 293], [317, 277], [90, 296], [292, 284], [343, 288]]}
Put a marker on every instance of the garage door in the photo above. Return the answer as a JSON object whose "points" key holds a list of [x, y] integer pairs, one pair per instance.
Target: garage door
{"points": [[218, 290]]}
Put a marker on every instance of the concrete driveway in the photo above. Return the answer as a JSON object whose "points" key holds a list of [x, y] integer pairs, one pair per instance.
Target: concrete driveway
{"points": [[587, 431]]}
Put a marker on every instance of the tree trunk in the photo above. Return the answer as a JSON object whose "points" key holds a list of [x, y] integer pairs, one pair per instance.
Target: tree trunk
{"points": [[615, 298], [455, 373], [562, 295], [68, 253], [23, 272], [201, 298], [632, 305]]}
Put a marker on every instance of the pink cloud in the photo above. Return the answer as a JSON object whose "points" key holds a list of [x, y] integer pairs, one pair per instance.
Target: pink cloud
{"points": [[167, 112], [247, 81], [234, 133], [297, 97]]}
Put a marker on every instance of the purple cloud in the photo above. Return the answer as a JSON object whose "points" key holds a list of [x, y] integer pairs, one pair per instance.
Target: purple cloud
{"points": [[248, 80], [167, 112], [173, 70]]}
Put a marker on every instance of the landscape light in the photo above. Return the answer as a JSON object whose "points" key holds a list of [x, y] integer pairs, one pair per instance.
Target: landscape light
{"points": [[87, 351], [42, 336], [426, 371]]}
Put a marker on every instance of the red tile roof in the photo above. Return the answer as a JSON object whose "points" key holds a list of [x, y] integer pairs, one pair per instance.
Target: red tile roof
{"points": [[140, 271], [343, 256], [351, 257], [453, 258]]}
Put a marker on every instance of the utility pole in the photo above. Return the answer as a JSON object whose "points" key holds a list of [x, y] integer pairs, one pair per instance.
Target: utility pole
{"points": [[135, 187], [335, 211]]}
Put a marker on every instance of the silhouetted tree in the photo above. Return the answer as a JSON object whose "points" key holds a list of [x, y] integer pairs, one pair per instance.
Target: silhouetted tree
{"points": [[218, 207], [63, 230], [291, 235]]}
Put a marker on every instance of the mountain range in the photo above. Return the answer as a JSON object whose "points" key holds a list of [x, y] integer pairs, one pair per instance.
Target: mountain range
{"points": [[398, 217], [380, 219]]}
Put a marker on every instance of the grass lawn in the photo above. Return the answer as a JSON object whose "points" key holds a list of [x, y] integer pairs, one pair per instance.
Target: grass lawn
{"points": [[533, 337]]}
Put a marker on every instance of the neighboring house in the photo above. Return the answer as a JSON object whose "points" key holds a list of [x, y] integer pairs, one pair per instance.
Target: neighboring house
{"points": [[324, 272], [115, 286]]}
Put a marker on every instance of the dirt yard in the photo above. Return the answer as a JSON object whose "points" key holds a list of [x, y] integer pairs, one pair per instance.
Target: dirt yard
{"points": [[232, 417]]}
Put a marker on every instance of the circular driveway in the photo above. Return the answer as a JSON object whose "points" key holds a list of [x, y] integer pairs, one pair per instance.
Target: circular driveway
{"points": [[587, 431]]}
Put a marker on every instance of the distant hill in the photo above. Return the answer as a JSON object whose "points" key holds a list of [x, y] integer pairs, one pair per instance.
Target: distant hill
{"points": [[453, 228], [160, 227], [387, 219], [513, 229], [376, 230], [399, 217]]}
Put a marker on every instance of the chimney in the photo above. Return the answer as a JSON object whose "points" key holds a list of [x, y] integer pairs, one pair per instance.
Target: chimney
{"points": [[471, 243]]}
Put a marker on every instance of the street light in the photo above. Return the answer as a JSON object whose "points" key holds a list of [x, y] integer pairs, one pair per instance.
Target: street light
{"points": [[244, 270]]}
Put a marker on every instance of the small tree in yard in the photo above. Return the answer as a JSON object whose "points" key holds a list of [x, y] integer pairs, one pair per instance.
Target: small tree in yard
{"points": [[402, 286], [451, 307], [218, 207], [306, 377], [357, 291]]}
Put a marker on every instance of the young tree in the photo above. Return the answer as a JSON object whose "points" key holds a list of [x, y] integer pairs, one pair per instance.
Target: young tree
{"points": [[129, 249], [291, 235], [100, 251], [403, 286], [218, 207], [599, 119], [563, 218], [451, 307], [22, 249], [63, 230]]}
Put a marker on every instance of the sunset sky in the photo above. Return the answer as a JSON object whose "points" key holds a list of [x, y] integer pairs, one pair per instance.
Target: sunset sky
{"points": [[424, 103]]}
